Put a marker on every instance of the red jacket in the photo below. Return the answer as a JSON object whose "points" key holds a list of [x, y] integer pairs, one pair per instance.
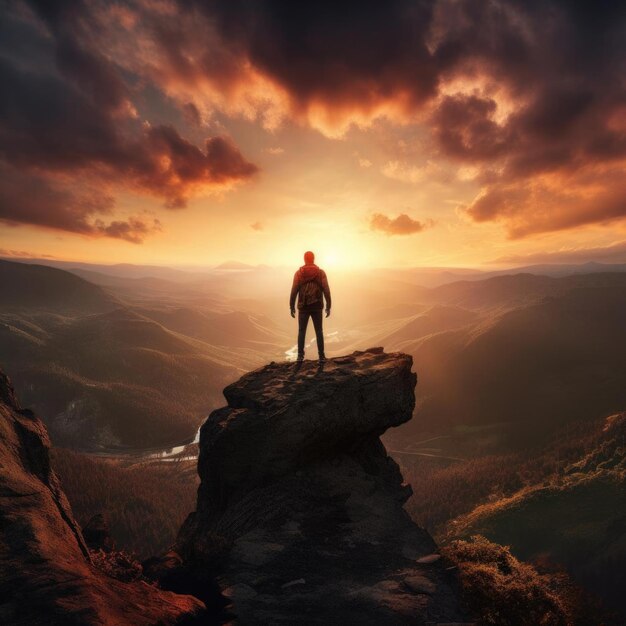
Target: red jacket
{"points": [[307, 274]]}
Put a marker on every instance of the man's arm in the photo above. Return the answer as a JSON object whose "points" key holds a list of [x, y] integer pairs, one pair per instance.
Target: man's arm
{"points": [[294, 293], [326, 290]]}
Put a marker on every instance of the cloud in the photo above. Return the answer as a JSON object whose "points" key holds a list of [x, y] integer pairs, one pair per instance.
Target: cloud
{"points": [[465, 129], [257, 226], [22, 254], [191, 114], [73, 121], [552, 202], [170, 166], [133, 229], [527, 96], [407, 173], [400, 225], [537, 124], [50, 125], [34, 200], [328, 66]]}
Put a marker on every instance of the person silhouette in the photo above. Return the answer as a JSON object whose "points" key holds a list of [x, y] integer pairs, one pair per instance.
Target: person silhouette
{"points": [[310, 286]]}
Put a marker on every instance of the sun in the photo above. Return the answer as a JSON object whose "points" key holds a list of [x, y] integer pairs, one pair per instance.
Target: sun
{"points": [[332, 258], [336, 248]]}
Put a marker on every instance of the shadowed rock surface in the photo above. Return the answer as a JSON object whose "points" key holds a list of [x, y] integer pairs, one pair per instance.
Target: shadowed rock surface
{"points": [[301, 510], [46, 574]]}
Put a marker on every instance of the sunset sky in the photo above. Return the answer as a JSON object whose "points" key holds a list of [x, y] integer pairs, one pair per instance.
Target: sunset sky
{"points": [[398, 133]]}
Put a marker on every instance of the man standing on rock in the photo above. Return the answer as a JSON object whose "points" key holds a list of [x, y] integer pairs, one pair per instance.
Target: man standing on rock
{"points": [[311, 286]]}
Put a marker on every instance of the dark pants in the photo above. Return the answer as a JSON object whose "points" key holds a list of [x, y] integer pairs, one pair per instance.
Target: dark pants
{"points": [[303, 321]]}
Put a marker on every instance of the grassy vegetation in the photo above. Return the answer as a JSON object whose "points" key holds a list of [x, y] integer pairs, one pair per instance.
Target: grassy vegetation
{"points": [[145, 504], [442, 493], [500, 590], [564, 504], [557, 506], [575, 517]]}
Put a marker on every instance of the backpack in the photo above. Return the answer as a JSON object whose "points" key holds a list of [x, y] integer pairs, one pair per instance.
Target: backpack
{"points": [[310, 292]]}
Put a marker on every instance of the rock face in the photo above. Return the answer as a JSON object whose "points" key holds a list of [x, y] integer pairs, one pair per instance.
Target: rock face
{"points": [[300, 507], [46, 574]]}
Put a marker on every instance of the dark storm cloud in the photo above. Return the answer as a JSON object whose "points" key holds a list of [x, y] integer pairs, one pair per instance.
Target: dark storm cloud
{"points": [[555, 66], [352, 52], [400, 225], [31, 199], [63, 123], [554, 161], [529, 92], [72, 24], [191, 114], [465, 129], [48, 123]]}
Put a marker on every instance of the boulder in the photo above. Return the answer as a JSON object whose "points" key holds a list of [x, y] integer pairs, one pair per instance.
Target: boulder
{"points": [[97, 535], [300, 509]]}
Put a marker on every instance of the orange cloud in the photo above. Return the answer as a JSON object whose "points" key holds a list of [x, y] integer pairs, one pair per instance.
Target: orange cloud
{"points": [[400, 225], [521, 96], [553, 202]]}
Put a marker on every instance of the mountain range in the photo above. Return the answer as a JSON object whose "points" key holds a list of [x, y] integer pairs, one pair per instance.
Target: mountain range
{"points": [[114, 361]]}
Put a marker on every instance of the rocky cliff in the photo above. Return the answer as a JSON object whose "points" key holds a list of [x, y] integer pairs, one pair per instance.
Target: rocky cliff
{"points": [[300, 510], [46, 574]]}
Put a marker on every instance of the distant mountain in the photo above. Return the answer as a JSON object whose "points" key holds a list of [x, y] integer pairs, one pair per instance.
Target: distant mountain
{"points": [[46, 288], [522, 353], [553, 270], [104, 374], [234, 328], [561, 269], [492, 293], [428, 276], [235, 265], [534, 367], [124, 270], [509, 291], [553, 345], [437, 276], [113, 379], [434, 320]]}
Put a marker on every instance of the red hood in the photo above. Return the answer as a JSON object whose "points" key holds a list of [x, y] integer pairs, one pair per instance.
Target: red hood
{"points": [[309, 272]]}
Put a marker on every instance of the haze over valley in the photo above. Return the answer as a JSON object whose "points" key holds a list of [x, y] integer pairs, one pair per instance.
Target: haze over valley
{"points": [[131, 359]]}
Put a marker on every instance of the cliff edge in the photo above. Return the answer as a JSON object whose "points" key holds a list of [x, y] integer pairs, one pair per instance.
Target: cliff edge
{"points": [[46, 574], [300, 509]]}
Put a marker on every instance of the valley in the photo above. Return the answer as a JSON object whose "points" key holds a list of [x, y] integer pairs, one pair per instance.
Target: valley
{"points": [[516, 378]]}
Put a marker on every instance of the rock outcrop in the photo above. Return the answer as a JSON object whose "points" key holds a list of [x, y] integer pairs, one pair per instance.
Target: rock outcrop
{"points": [[301, 510], [46, 574]]}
